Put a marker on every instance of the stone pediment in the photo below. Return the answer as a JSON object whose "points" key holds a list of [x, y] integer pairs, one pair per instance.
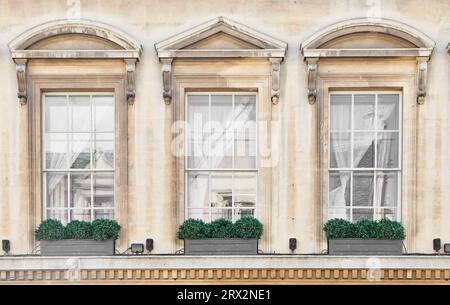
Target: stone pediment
{"points": [[221, 37]]}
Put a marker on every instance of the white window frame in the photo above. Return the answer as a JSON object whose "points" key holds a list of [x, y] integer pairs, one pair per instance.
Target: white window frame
{"points": [[375, 169], [232, 170], [69, 171]]}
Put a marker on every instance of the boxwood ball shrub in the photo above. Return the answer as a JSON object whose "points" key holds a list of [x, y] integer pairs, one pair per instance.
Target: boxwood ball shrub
{"points": [[382, 229], [77, 229], [50, 229], [248, 227], [193, 229], [220, 228], [103, 229]]}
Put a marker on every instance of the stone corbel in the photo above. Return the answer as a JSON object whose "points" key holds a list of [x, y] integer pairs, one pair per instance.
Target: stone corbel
{"points": [[422, 74], [312, 79], [167, 79], [21, 70], [276, 65], [130, 68]]}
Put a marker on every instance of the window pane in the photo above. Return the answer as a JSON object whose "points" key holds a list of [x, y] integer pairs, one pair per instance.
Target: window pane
{"points": [[61, 215], [56, 151], [245, 154], [245, 131], [388, 114], [198, 144], [221, 131], [55, 113], [221, 213], [339, 187], [387, 189], [387, 150], [360, 214], [80, 150], [103, 112], [103, 214], [340, 110], [198, 190], [56, 191], [339, 213], [388, 213], [80, 113], [244, 190], [364, 113], [103, 150], [239, 213], [202, 214], [80, 190], [245, 108], [221, 184], [84, 214], [104, 190], [363, 189], [363, 149], [340, 150]]}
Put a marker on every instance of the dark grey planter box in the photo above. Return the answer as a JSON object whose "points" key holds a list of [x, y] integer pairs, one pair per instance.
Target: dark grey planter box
{"points": [[74, 247], [221, 246], [356, 246]]}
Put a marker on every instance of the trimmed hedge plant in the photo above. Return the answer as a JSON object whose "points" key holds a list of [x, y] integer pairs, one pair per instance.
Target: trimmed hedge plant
{"points": [[100, 229], [365, 229], [246, 227]]}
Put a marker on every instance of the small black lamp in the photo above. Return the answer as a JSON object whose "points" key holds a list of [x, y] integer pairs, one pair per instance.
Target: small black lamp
{"points": [[437, 244], [149, 244], [6, 245], [292, 244], [137, 248]]}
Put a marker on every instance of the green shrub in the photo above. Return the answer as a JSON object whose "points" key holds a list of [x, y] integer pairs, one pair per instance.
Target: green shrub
{"points": [[77, 229], [388, 229], [50, 229], [366, 228], [193, 229], [382, 229], [248, 227], [220, 228], [339, 228], [103, 229]]}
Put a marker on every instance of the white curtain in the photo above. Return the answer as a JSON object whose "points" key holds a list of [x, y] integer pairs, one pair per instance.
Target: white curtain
{"points": [[340, 116]]}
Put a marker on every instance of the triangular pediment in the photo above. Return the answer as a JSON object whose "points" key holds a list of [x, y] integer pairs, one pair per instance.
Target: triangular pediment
{"points": [[221, 37]]}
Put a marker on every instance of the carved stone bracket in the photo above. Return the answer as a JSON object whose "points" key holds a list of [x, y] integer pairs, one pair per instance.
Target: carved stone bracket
{"points": [[21, 70], [312, 79], [167, 79], [276, 65], [422, 73], [130, 68]]}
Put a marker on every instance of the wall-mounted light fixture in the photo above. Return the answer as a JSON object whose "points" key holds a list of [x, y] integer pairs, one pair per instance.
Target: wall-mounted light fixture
{"points": [[437, 244], [292, 244], [137, 248], [6, 246], [447, 248], [149, 244]]}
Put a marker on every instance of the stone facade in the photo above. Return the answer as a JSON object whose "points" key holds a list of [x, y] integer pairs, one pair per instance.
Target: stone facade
{"points": [[275, 50]]}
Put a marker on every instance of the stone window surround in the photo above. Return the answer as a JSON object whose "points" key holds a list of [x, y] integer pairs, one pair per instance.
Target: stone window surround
{"points": [[31, 87]]}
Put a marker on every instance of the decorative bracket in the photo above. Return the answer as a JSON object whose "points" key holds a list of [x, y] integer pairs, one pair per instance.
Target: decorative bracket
{"points": [[422, 73], [21, 70], [130, 68], [276, 65], [312, 79], [167, 79]]}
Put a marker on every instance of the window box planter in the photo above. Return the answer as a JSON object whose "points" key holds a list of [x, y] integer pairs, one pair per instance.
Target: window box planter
{"points": [[221, 246], [359, 246], [77, 247]]}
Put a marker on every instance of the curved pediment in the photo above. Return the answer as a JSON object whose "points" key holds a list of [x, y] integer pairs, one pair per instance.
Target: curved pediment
{"points": [[368, 38], [220, 37], [74, 39]]}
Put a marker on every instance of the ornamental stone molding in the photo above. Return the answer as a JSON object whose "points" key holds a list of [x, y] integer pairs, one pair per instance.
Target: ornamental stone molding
{"points": [[115, 44], [243, 42], [332, 42]]}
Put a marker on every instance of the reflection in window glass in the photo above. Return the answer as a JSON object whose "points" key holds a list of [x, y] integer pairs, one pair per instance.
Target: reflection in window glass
{"points": [[78, 150]]}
